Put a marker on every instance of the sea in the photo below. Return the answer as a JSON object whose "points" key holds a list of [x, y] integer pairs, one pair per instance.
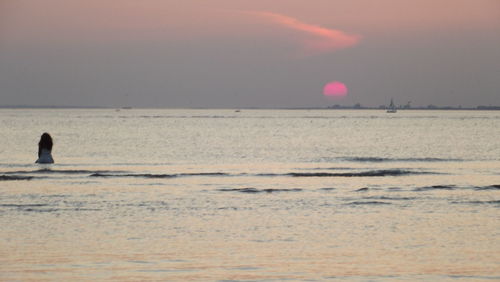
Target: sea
{"points": [[250, 195]]}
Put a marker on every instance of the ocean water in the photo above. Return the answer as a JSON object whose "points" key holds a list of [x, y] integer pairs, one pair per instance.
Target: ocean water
{"points": [[256, 195]]}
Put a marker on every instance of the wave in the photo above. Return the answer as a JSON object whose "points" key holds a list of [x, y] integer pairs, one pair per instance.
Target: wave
{"points": [[358, 203], [22, 205], [327, 168], [492, 202], [491, 187], [391, 198], [364, 189], [327, 189], [379, 160], [255, 190], [435, 187], [15, 177], [59, 171], [455, 187], [205, 174], [150, 175], [142, 175], [50, 210], [369, 173], [24, 175], [43, 208]]}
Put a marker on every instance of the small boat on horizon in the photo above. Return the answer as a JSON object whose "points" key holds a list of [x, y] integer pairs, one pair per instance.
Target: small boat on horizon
{"points": [[392, 107]]}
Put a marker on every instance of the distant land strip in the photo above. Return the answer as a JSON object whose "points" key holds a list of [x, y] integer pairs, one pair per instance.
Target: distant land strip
{"points": [[335, 107]]}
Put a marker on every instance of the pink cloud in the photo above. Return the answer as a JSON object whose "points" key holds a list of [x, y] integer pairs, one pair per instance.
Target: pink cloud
{"points": [[320, 39]]}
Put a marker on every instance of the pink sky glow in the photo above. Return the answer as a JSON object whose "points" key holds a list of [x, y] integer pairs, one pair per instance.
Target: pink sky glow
{"points": [[320, 40], [240, 53]]}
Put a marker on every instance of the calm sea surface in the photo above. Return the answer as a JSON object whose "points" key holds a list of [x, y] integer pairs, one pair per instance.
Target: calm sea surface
{"points": [[253, 195]]}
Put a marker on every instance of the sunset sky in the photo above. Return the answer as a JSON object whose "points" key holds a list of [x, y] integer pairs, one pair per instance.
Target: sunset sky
{"points": [[253, 53]]}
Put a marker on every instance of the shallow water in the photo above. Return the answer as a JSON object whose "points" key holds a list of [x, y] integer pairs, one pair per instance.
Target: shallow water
{"points": [[250, 195]]}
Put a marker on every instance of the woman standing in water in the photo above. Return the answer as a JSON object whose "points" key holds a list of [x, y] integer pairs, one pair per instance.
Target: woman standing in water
{"points": [[45, 149]]}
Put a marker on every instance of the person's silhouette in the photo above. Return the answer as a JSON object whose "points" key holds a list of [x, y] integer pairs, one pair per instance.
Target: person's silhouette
{"points": [[45, 149]]}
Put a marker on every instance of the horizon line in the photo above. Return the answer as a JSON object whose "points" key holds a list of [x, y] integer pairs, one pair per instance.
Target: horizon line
{"points": [[334, 107]]}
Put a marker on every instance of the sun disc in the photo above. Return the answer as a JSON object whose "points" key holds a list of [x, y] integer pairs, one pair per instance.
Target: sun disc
{"points": [[335, 89]]}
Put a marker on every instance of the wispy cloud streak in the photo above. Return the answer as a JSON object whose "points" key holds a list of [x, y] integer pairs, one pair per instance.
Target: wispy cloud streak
{"points": [[320, 40]]}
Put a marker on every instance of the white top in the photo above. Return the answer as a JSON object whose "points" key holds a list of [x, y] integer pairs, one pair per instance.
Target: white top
{"points": [[45, 157]]}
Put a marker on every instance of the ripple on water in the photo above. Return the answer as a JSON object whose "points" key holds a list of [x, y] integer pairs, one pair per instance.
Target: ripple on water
{"points": [[435, 187], [255, 190], [358, 203], [15, 177]]}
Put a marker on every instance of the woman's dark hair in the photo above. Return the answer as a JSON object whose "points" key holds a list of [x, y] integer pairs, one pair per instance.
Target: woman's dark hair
{"points": [[45, 143]]}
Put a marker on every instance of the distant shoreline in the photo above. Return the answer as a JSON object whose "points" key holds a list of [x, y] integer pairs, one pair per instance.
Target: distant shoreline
{"points": [[433, 108]]}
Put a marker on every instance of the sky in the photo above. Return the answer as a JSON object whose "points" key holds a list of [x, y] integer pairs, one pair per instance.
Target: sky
{"points": [[249, 53]]}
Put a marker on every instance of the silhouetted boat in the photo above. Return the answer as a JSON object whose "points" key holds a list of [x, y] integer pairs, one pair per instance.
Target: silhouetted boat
{"points": [[392, 107]]}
